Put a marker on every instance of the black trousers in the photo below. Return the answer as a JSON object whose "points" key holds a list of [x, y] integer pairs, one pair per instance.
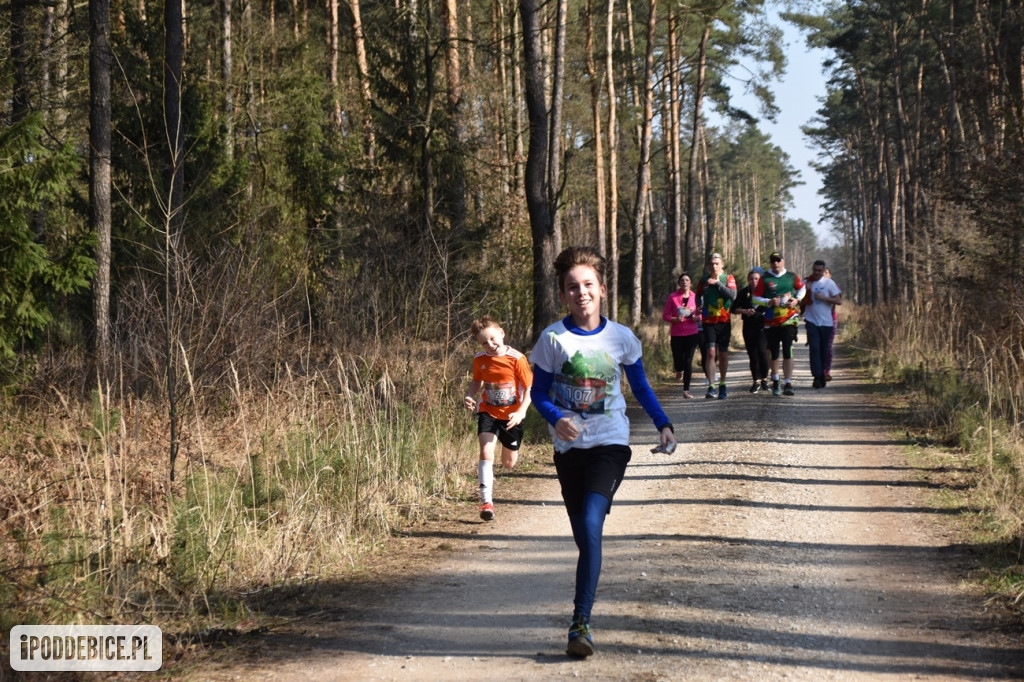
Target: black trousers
{"points": [[682, 356], [757, 350]]}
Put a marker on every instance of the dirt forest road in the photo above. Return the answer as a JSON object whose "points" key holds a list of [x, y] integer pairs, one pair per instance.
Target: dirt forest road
{"points": [[787, 538]]}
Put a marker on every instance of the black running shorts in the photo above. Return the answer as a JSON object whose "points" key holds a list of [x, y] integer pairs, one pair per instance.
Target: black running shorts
{"points": [[509, 438], [784, 335], [581, 470], [718, 335]]}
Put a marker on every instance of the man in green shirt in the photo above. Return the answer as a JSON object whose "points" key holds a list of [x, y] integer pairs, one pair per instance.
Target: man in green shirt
{"points": [[781, 291], [717, 290]]}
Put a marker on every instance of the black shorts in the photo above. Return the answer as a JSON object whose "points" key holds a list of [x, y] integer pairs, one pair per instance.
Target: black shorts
{"points": [[599, 469], [784, 335], [509, 438], [718, 335]]}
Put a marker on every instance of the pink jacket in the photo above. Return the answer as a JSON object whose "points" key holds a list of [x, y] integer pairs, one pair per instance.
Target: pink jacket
{"points": [[675, 301]]}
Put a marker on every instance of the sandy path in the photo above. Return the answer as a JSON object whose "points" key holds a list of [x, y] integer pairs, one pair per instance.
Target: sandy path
{"points": [[787, 538]]}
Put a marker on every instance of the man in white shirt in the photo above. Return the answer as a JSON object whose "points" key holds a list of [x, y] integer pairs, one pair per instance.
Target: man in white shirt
{"points": [[822, 295]]}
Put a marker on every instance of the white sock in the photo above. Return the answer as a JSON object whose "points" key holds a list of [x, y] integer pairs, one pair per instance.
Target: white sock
{"points": [[485, 473], [775, 377]]}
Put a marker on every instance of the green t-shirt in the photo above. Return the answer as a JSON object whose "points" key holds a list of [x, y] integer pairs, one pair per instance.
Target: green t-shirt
{"points": [[784, 286], [716, 304]]}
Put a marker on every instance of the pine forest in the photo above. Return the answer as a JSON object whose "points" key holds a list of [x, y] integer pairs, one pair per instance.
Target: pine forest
{"points": [[242, 242]]}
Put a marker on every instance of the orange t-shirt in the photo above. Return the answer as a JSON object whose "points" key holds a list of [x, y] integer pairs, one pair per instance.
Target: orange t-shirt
{"points": [[505, 379]]}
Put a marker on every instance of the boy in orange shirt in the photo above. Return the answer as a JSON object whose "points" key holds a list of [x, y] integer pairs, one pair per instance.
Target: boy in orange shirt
{"points": [[505, 375]]}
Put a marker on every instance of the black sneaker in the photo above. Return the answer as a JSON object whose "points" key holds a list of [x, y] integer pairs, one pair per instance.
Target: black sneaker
{"points": [[817, 383], [755, 387], [775, 387], [581, 644], [764, 384], [788, 390]]}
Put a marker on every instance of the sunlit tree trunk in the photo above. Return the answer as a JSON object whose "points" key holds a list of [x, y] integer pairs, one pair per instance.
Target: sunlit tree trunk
{"points": [[457, 191], [334, 45], [426, 135], [643, 170], [226, 74], [475, 129], [555, 180], [46, 83], [600, 193], [675, 98], [613, 165], [503, 134], [710, 217], [99, 172], [519, 151], [359, 44]]}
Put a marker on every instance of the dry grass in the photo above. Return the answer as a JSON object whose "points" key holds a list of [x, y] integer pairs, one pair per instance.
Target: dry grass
{"points": [[274, 485], [964, 378]]}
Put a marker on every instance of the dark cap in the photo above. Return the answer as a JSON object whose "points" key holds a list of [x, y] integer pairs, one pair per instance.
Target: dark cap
{"points": [[775, 255]]}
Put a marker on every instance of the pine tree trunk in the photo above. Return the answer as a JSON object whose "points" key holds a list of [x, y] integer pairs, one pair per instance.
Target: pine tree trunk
{"points": [[600, 193], [643, 171], [334, 47], [503, 148], [693, 179], [519, 152], [545, 302], [426, 134], [453, 67], [99, 172], [359, 44], [675, 98], [19, 59], [613, 164], [226, 73], [555, 129]]}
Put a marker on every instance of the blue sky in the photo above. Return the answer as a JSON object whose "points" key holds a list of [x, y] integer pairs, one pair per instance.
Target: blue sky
{"points": [[798, 97]]}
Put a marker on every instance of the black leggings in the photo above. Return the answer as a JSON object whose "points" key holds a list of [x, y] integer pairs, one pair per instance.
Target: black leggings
{"points": [[682, 356], [757, 351]]}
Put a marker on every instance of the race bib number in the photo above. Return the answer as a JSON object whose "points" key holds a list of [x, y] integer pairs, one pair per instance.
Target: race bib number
{"points": [[501, 395], [580, 394]]}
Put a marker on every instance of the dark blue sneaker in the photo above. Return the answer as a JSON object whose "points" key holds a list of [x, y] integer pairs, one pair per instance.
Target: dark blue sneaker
{"points": [[723, 392], [581, 644], [711, 394]]}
